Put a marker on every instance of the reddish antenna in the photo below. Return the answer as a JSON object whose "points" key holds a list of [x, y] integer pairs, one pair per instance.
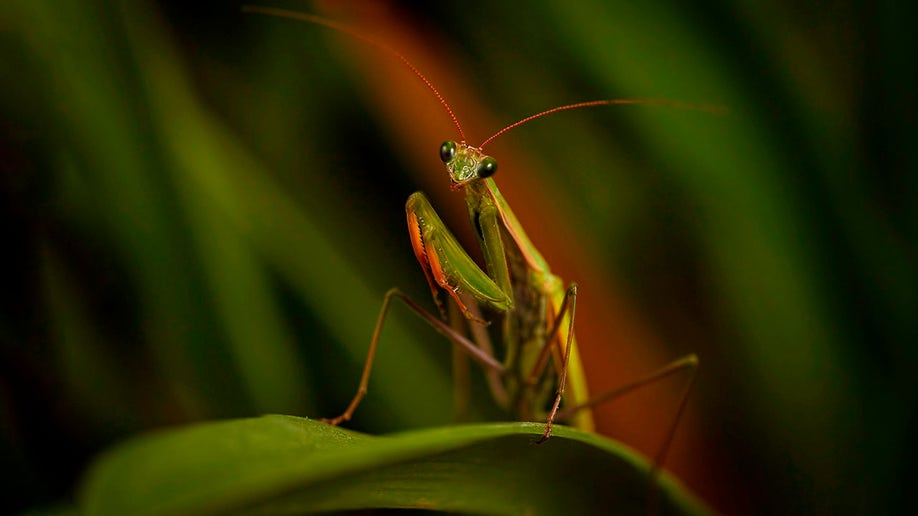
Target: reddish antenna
{"points": [[318, 20], [606, 102]]}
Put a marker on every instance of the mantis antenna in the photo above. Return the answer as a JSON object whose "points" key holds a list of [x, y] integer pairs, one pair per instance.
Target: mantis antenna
{"points": [[318, 20], [294, 15]]}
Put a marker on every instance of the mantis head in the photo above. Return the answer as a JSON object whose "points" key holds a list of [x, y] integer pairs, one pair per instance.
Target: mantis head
{"points": [[465, 163]]}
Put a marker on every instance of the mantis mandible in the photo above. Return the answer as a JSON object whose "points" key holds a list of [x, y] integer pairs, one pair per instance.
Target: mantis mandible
{"points": [[535, 308]]}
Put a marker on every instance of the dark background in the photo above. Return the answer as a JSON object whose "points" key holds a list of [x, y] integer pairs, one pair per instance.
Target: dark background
{"points": [[201, 211]]}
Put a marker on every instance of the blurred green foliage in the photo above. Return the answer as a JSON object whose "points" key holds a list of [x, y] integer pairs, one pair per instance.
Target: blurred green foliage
{"points": [[201, 214]]}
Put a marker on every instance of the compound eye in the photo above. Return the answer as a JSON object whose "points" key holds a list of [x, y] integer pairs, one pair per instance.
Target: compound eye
{"points": [[487, 167], [447, 151]]}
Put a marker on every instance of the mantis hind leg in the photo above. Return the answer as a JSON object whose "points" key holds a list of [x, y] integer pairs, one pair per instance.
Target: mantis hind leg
{"points": [[688, 363], [467, 346]]}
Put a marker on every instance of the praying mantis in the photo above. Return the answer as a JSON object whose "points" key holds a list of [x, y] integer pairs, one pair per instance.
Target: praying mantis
{"points": [[516, 289]]}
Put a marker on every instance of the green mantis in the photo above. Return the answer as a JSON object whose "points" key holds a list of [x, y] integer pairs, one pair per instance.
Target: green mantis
{"points": [[540, 366]]}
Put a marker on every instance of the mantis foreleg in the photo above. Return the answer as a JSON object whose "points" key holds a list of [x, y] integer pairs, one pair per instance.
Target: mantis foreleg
{"points": [[448, 267]]}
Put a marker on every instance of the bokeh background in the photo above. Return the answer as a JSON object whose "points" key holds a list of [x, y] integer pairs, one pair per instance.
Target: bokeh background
{"points": [[202, 209]]}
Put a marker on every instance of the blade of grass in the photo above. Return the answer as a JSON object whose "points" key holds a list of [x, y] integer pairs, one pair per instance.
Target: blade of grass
{"points": [[283, 464]]}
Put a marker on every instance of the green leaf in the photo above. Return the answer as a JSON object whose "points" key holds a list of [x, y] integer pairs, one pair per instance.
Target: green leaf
{"points": [[284, 464]]}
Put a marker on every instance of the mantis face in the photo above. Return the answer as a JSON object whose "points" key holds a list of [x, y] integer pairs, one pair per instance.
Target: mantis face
{"points": [[465, 163]]}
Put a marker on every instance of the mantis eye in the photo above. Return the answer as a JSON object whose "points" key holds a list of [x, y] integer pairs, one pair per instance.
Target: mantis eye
{"points": [[447, 151], [487, 167]]}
